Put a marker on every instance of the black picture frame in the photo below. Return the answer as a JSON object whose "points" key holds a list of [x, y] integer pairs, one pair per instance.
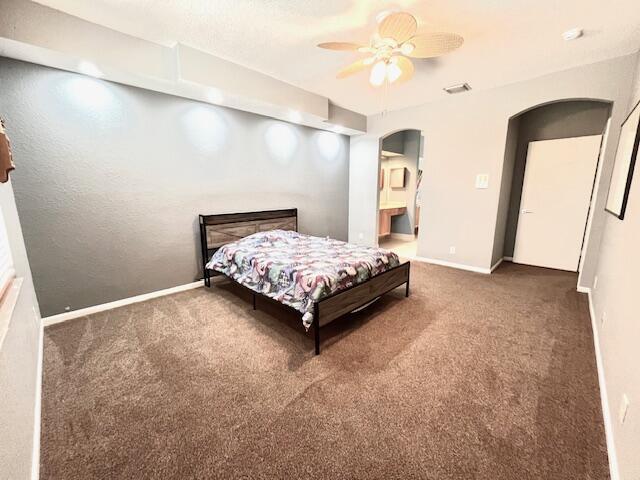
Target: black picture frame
{"points": [[634, 115]]}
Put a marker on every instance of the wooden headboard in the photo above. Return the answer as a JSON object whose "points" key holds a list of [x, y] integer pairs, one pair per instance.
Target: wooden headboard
{"points": [[217, 230]]}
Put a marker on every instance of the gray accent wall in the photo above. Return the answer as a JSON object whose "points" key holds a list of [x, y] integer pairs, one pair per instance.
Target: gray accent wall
{"points": [[504, 201], [110, 180], [549, 122]]}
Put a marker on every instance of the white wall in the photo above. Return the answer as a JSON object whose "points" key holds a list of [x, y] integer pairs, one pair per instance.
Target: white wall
{"points": [[466, 135], [616, 295], [19, 359], [363, 189]]}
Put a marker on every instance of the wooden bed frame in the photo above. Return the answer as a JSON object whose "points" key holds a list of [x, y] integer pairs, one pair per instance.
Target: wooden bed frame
{"points": [[217, 230]]}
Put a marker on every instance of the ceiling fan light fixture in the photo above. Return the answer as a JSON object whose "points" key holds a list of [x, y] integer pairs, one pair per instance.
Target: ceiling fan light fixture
{"points": [[382, 15], [378, 73], [407, 48], [390, 47], [393, 72]]}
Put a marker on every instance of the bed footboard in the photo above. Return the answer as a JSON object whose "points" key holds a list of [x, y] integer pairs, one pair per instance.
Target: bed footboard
{"points": [[345, 301]]}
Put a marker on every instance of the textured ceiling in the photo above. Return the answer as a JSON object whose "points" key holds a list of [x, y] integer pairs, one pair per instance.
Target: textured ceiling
{"points": [[505, 40]]}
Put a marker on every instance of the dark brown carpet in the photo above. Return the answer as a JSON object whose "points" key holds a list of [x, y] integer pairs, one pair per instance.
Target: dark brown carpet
{"points": [[472, 377]]}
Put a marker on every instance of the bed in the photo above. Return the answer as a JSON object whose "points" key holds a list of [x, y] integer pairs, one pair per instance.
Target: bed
{"points": [[321, 279]]}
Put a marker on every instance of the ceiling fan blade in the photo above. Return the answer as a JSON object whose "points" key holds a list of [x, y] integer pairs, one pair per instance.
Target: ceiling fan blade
{"points": [[429, 45], [355, 67], [340, 46], [406, 66], [400, 26]]}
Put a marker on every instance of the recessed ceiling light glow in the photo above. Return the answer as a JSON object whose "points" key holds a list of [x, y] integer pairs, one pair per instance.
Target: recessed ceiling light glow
{"points": [[215, 96], [92, 95], [206, 128], [88, 68], [328, 144], [295, 116], [281, 141], [572, 34]]}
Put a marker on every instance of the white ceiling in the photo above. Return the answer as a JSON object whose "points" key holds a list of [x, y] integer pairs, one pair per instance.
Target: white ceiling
{"points": [[505, 40]]}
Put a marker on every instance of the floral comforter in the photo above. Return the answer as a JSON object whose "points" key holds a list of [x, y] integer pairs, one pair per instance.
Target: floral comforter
{"points": [[297, 269]]}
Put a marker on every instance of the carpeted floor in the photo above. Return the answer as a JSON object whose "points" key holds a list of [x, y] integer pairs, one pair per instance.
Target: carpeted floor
{"points": [[472, 377]]}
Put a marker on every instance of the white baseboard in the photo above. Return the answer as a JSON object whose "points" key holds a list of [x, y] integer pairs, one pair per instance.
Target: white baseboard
{"points": [[459, 266], [37, 410], [508, 259], [496, 265], [582, 289], [604, 397], [63, 317], [406, 237]]}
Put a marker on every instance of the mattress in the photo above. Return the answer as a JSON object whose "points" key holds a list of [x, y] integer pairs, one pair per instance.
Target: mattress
{"points": [[298, 270]]}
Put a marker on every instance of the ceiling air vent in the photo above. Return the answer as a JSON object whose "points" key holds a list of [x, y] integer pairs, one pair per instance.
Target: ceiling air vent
{"points": [[461, 87]]}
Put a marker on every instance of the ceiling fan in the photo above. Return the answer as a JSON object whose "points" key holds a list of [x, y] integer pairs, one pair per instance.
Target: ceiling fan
{"points": [[390, 46]]}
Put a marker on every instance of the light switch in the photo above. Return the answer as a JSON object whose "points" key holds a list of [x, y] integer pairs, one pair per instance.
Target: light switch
{"points": [[482, 180]]}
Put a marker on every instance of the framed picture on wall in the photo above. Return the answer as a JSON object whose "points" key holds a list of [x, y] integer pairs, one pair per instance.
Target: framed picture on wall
{"points": [[397, 177], [624, 164]]}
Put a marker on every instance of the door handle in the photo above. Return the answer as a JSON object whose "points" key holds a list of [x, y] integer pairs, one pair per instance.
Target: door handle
{"points": [[524, 210]]}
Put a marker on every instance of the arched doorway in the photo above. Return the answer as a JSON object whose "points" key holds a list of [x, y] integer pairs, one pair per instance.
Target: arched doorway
{"points": [[400, 170], [532, 137]]}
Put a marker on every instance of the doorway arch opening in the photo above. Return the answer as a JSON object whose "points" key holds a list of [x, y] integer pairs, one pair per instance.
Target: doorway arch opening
{"points": [[547, 147], [400, 169]]}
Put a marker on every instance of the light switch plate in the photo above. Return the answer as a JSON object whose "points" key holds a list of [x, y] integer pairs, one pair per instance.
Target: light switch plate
{"points": [[482, 180]]}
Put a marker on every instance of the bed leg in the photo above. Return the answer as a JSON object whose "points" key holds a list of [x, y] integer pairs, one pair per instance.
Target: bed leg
{"points": [[316, 327], [254, 301], [406, 293]]}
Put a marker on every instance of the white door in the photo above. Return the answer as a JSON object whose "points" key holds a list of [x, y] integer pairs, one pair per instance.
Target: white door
{"points": [[556, 193]]}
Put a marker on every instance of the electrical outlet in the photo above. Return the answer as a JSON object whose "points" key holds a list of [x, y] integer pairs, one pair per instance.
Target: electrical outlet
{"points": [[624, 407], [603, 318], [595, 282], [452, 250], [67, 308], [360, 236]]}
